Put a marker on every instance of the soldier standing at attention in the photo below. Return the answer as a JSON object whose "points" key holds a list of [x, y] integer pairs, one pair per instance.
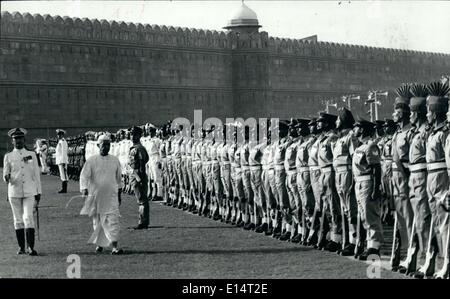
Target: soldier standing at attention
{"points": [[62, 159], [400, 173], [303, 178], [386, 171], [22, 174], [367, 173], [327, 123], [418, 178], [343, 153], [437, 154], [138, 159]]}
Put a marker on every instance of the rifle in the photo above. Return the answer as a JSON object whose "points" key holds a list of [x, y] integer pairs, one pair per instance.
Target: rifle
{"points": [[428, 268], [444, 272], [344, 232]]}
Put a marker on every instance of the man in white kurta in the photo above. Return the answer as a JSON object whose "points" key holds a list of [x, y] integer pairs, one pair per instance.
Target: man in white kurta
{"points": [[101, 183], [62, 159]]}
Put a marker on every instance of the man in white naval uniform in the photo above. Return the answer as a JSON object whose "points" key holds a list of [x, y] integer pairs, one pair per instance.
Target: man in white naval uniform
{"points": [[62, 159], [22, 174]]}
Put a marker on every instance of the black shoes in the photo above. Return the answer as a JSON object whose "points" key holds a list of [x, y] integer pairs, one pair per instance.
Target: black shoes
{"points": [[285, 237], [370, 251], [63, 187], [98, 249], [116, 251], [21, 251], [332, 246], [140, 226], [348, 250]]}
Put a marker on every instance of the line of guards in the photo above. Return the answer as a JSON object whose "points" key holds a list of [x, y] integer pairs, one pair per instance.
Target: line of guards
{"points": [[328, 182]]}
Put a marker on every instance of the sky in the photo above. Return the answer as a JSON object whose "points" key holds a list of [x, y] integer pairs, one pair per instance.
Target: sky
{"points": [[413, 25]]}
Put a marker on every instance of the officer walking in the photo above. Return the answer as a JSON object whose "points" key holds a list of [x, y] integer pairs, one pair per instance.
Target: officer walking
{"points": [[22, 174]]}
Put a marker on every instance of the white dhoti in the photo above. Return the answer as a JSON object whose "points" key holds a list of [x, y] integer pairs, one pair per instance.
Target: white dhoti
{"points": [[106, 229]]}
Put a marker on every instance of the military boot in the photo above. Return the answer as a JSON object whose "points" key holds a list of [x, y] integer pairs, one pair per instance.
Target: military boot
{"points": [[20, 235], [30, 241]]}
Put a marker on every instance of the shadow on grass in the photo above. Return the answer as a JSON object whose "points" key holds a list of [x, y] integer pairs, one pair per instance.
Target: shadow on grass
{"points": [[218, 251], [183, 227]]}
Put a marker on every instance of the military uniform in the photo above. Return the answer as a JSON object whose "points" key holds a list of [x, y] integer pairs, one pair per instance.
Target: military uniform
{"points": [[255, 163], [342, 163], [365, 158], [291, 184], [400, 146], [138, 158], [247, 200], [314, 170]]}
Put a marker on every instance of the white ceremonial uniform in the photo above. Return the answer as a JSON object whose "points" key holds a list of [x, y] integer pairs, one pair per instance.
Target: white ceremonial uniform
{"points": [[62, 158], [102, 176], [24, 183]]}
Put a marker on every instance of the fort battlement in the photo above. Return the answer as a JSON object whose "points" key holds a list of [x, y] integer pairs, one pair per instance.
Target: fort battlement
{"points": [[83, 74]]}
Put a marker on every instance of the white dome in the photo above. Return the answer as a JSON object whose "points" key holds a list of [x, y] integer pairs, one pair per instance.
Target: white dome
{"points": [[244, 13], [244, 16]]}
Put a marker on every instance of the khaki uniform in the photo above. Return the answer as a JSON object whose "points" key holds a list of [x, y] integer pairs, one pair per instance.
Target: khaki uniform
{"points": [[280, 173], [138, 159], [314, 170], [386, 174], [400, 153], [255, 162], [246, 180], [437, 155], [327, 181], [342, 163], [303, 176], [365, 157], [291, 180], [418, 185], [268, 178], [225, 171]]}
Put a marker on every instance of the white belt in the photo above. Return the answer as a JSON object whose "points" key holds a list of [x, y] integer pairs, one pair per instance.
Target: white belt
{"points": [[235, 165], [226, 163], [437, 166], [214, 162], [279, 167], [245, 167], [405, 165], [327, 169], [363, 178], [303, 169], [418, 166], [343, 168], [255, 167], [314, 168]]}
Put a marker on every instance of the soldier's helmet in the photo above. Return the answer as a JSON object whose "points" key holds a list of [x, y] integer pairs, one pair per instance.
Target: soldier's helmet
{"points": [[437, 99]]}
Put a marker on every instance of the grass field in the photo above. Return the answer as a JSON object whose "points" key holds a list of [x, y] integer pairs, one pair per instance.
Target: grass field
{"points": [[178, 245]]}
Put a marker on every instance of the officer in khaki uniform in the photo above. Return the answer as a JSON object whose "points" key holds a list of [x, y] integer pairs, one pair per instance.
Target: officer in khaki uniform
{"points": [[437, 153], [418, 178], [367, 174], [268, 180], [247, 203], [400, 173], [342, 163], [332, 207]]}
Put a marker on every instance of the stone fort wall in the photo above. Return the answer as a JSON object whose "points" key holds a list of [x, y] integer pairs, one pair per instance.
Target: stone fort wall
{"points": [[83, 74]]}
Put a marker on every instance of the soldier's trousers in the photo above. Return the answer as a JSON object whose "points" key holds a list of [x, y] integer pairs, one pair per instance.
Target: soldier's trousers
{"points": [[437, 187], [346, 192], [237, 181], [329, 195], [419, 202], [403, 208], [165, 177], [207, 172], [268, 200], [185, 173], [22, 209], [318, 206], [387, 185], [155, 173], [293, 195], [246, 183], [140, 192], [257, 187], [178, 173], [280, 188], [217, 181], [225, 176], [306, 192], [369, 209]]}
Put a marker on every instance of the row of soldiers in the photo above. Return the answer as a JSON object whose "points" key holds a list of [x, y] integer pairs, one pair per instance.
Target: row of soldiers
{"points": [[327, 182]]}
